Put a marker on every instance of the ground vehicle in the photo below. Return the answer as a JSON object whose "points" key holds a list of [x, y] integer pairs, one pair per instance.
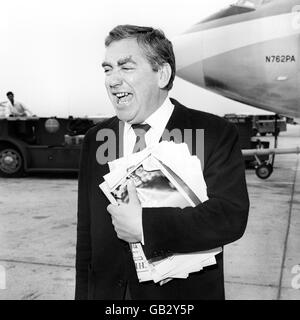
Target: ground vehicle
{"points": [[264, 124], [29, 144]]}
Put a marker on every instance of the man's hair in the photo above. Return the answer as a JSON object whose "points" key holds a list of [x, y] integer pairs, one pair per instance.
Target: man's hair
{"points": [[9, 93], [157, 48]]}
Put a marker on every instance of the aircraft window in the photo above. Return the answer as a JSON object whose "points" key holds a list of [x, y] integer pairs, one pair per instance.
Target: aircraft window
{"points": [[241, 6], [249, 3], [228, 12]]}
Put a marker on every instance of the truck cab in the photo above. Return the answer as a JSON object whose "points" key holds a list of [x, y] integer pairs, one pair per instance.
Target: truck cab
{"points": [[30, 144]]}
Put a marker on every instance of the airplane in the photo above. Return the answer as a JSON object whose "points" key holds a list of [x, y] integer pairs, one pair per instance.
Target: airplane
{"points": [[248, 52]]}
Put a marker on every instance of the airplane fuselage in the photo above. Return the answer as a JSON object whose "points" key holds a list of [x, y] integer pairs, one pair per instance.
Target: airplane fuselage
{"points": [[251, 55]]}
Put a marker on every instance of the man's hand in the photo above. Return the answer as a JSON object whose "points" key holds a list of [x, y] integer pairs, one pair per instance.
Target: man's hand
{"points": [[127, 218]]}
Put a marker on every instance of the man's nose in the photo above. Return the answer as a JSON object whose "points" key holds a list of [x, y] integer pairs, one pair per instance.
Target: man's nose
{"points": [[115, 79]]}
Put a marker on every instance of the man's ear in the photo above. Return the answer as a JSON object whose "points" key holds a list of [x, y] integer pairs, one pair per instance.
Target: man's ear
{"points": [[165, 73]]}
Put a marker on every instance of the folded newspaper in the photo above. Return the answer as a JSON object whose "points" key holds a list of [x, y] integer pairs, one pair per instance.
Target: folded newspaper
{"points": [[162, 179]]}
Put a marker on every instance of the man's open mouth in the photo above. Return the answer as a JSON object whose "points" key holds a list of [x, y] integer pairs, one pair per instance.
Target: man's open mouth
{"points": [[123, 97]]}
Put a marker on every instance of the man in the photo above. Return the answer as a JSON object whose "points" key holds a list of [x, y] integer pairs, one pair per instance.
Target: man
{"points": [[14, 108], [140, 68]]}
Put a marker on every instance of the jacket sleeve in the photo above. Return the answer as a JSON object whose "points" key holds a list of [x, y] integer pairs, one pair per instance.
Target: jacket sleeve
{"points": [[218, 221], [83, 246]]}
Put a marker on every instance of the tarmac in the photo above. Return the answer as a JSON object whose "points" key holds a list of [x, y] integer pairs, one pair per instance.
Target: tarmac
{"points": [[38, 235]]}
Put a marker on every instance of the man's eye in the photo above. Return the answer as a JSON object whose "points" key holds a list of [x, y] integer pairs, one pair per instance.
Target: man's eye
{"points": [[107, 70], [127, 68]]}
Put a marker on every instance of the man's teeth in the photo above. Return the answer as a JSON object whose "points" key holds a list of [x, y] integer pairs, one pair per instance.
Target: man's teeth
{"points": [[123, 97], [122, 94]]}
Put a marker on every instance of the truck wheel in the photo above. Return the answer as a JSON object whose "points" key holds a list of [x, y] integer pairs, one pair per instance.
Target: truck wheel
{"points": [[254, 132], [11, 162], [264, 170]]}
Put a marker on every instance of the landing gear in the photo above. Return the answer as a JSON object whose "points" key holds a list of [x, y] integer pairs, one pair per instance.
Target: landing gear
{"points": [[264, 170]]}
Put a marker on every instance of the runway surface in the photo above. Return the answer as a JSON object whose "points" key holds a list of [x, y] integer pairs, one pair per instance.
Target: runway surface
{"points": [[38, 235]]}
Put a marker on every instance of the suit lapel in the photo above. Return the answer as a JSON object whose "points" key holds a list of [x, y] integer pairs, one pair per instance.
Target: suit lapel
{"points": [[179, 118]]}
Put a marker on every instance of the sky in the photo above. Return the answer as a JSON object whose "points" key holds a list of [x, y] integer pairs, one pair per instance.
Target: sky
{"points": [[51, 52]]}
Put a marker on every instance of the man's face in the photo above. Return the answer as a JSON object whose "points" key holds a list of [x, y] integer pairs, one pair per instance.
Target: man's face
{"points": [[10, 97], [132, 85]]}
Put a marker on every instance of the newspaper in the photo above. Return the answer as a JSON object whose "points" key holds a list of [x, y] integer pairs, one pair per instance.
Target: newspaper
{"points": [[161, 180]]}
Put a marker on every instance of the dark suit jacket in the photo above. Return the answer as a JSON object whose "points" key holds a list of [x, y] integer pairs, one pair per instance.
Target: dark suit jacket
{"points": [[104, 263]]}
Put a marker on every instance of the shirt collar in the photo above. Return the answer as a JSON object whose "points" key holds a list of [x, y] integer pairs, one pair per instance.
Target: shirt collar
{"points": [[159, 117]]}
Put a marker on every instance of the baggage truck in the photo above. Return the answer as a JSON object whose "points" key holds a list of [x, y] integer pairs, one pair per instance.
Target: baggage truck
{"points": [[264, 124]]}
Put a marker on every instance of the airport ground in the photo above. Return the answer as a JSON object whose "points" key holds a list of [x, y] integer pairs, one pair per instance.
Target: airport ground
{"points": [[38, 235]]}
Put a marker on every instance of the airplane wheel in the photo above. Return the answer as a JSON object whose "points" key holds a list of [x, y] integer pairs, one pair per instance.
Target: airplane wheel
{"points": [[264, 170], [263, 134], [11, 163]]}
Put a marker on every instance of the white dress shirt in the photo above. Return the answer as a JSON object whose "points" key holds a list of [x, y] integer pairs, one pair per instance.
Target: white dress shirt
{"points": [[157, 121]]}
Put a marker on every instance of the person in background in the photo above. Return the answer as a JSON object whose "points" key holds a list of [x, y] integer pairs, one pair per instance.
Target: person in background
{"points": [[14, 108]]}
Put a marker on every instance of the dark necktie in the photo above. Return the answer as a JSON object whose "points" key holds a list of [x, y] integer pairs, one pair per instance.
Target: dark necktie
{"points": [[140, 131]]}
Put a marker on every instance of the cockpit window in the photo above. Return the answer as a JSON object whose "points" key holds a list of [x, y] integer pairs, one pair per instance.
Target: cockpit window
{"points": [[248, 3], [228, 12], [251, 3], [240, 7]]}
